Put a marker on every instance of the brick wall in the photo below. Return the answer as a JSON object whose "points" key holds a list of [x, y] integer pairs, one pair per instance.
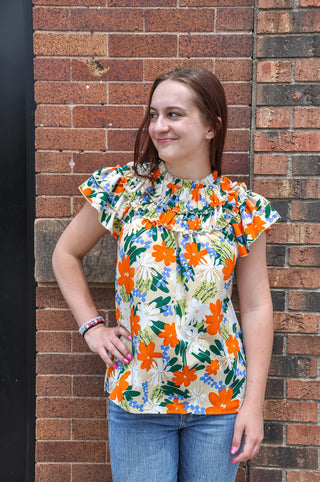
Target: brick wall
{"points": [[94, 61]]}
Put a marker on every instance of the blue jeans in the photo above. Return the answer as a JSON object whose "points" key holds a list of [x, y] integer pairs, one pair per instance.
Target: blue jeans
{"points": [[167, 448]]}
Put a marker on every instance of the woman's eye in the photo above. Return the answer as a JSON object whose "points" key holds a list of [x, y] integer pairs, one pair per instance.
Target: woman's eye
{"points": [[173, 114], [153, 115]]}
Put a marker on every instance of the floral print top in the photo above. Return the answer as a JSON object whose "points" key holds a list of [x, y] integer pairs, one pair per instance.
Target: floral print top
{"points": [[178, 243]]}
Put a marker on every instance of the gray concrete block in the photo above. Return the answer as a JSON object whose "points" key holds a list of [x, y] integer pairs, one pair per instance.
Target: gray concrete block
{"points": [[99, 263]]}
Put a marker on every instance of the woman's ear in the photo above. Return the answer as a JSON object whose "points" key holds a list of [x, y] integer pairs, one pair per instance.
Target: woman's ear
{"points": [[212, 131]]}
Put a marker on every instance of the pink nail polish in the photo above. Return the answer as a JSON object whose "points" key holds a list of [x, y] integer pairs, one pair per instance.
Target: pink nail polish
{"points": [[129, 337], [129, 356], [115, 366], [125, 360], [233, 450]]}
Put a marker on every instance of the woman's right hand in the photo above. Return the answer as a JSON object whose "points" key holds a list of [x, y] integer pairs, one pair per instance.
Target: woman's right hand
{"points": [[106, 341]]}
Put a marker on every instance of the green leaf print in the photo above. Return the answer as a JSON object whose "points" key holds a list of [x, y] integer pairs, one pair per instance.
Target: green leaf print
{"points": [[144, 337], [124, 295], [236, 387], [268, 211], [205, 291], [229, 377], [222, 249], [181, 307], [170, 388], [225, 332], [124, 404], [217, 348], [157, 393], [131, 393], [144, 285], [134, 252], [203, 357], [160, 301]]}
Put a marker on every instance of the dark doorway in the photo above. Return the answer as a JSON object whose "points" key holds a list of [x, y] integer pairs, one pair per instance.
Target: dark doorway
{"points": [[17, 298]]}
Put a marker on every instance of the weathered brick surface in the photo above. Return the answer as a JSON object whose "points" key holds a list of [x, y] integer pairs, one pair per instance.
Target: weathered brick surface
{"points": [[94, 61]]}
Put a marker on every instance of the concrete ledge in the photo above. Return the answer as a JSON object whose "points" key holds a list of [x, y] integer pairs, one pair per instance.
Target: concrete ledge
{"points": [[99, 263]]}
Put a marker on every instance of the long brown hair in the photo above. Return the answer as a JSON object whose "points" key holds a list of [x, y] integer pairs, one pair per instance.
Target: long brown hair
{"points": [[210, 99]]}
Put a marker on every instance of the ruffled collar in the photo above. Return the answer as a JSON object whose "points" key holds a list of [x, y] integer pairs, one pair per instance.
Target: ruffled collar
{"points": [[163, 175]]}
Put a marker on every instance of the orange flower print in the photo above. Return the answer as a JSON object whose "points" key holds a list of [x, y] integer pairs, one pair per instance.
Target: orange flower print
{"points": [[215, 319], [195, 192], [167, 218], [213, 368], [256, 227], [121, 387], [176, 407], [147, 355], [215, 201], [134, 322], [120, 185], [195, 257], [222, 403], [250, 207], [126, 274], [147, 223], [233, 345], [173, 187], [238, 229], [185, 377], [242, 250], [194, 224], [118, 314], [169, 335], [225, 183], [229, 267], [156, 174], [162, 253], [86, 192]]}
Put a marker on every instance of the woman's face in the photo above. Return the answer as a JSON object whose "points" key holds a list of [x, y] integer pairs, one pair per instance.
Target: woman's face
{"points": [[178, 130]]}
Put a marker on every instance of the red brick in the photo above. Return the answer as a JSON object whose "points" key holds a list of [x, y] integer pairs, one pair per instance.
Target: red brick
{"points": [[70, 451], [239, 116], [304, 256], [53, 429], [276, 164], [304, 344], [139, 45], [307, 69], [235, 163], [51, 69], [52, 472], [305, 211], [89, 429], [303, 389], [308, 3], [48, 297], [53, 116], [233, 69], [141, 3], [128, 93], [237, 140], [58, 185], [287, 141], [273, 71], [304, 301], [70, 93], [49, 18], [87, 162], [155, 67], [121, 140], [273, 117], [288, 21], [302, 475], [88, 386], [303, 434], [276, 3], [54, 408], [79, 344], [295, 234], [107, 69], [238, 93], [106, 116], [53, 161], [52, 385], [216, 45], [52, 341], [86, 364], [94, 3], [296, 322], [55, 320], [106, 20], [291, 411], [53, 207], [92, 472], [236, 18], [213, 3], [66, 44], [288, 188], [306, 117], [294, 277], [70, 139], [179, 20]]}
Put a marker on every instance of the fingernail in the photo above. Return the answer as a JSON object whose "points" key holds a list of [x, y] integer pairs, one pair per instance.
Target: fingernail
{"points": [[125, 360], [115, 366], [233, 450], [130, 338], [233, 462], [129, 356]]}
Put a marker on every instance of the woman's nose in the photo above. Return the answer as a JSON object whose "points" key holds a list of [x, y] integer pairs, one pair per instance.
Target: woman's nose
{"points": [[161, 124]]}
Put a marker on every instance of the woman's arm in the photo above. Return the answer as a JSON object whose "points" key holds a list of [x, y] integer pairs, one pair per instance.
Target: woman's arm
{"points": [[257, 328], [80, 236]]}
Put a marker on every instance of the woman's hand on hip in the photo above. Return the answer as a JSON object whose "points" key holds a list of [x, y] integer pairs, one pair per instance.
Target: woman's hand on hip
{"points": [[106, 342]]}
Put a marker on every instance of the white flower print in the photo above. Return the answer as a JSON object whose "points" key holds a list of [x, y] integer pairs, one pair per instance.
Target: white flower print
{"points": [[197, 395], [144, 266], [152, 406], [196, 310], [159, 374], [147, 314]]}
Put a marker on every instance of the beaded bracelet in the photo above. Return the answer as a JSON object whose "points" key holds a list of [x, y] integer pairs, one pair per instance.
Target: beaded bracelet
{"points": [[90, 324]]}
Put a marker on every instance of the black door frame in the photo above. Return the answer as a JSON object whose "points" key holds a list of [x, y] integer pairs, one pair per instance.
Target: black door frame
{"points": [[17, 294]]}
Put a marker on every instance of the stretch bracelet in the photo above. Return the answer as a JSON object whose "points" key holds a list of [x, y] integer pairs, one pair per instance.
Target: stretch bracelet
{"points": [[90, 324]]}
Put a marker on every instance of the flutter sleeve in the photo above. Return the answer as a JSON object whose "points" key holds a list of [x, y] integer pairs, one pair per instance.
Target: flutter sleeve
{"points": [[255, 215], [109, 191]]}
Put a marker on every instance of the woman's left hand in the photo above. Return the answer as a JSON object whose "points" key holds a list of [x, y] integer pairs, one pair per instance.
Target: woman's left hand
{"points": [[249, 423]]}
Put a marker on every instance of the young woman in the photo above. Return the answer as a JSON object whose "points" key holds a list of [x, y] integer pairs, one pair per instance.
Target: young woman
{"points": [[186, 380]]}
